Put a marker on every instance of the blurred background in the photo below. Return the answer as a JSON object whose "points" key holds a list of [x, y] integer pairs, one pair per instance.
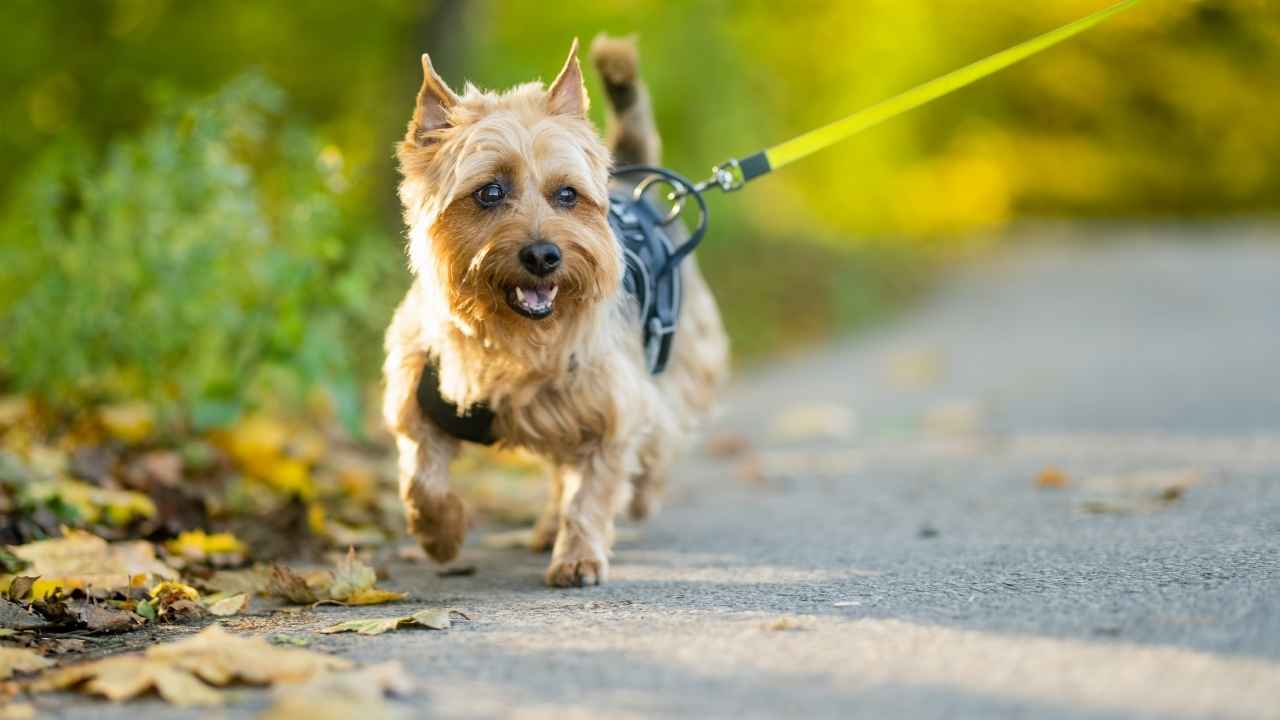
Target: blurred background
{"points": [[199, 225]]}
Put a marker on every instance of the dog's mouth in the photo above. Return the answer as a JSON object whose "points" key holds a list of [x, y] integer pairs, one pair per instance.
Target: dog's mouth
{"points": [[533, 301]]}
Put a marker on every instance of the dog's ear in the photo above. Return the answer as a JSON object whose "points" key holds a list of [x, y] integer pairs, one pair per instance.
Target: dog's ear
{"points": [[568, 94], [434, 100]]}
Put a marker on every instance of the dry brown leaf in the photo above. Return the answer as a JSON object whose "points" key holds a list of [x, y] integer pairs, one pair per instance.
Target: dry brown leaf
{"points": [[15, 660], [340, 696], [183, 671], [727, 445], [291, 587], [80, 560]]}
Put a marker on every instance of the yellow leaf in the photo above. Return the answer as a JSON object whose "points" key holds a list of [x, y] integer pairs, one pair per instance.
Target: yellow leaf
{"points": [[289, 476], [199, 545], [131, 422], [372, 596], [18, 711], [14, 660], [182, 672], [175, 590]]}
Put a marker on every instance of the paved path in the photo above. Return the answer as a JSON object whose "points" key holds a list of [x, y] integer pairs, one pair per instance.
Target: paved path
{"points": [[889, 511]]}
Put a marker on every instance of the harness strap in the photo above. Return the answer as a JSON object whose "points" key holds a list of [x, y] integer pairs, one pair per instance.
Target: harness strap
{"points": [[474, 425]]}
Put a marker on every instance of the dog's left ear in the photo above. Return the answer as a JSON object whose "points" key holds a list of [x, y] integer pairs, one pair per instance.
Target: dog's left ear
{"points": [[568, 94]]}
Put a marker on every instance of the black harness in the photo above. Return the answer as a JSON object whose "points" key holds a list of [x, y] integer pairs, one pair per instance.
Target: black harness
{"points": [[652, 278]]}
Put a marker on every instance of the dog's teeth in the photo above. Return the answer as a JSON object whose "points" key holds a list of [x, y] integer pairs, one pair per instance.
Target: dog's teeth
{"points": [[552, 295]]}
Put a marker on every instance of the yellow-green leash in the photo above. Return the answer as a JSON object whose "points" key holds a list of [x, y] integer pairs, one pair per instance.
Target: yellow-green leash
{"points": [[734, 173]]}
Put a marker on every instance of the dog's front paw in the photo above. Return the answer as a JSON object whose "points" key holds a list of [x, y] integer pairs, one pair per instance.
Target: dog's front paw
{"points": [[439, 523], [576, 562], [576, 573]]}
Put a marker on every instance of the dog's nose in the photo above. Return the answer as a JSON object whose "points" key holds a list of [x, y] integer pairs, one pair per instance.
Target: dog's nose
{"points": [[540, 258]]}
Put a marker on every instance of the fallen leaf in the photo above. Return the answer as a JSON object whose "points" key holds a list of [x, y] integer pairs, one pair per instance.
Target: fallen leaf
{"points": [[81, 560], [369, 596], [288, 585], [253, 581], [18, 711], [183, 671], [727, 445], [351, 576], [433, 618], [15, 660], [131, 422], [817, 421], [340, 696], [199, 545], [914, 369], [101, 618], [230, 605], [1051, 477], [954, 418], [786, 623]]}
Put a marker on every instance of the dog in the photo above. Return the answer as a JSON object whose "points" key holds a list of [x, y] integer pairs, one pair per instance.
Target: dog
{"points": [[517, 306]]}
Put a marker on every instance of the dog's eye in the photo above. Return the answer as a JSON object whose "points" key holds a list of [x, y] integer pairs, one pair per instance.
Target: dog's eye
{"points": [[566, 197], [490, 195]]}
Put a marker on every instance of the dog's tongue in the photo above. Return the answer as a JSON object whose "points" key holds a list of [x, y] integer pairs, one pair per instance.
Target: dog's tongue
{"points": [[537, 298]]}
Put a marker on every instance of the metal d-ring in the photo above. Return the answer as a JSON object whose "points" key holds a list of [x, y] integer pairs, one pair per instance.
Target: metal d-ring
{"points": [[677, 196]]}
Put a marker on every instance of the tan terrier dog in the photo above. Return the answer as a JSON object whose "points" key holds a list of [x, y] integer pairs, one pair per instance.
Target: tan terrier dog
{"points": [[517, 306]]}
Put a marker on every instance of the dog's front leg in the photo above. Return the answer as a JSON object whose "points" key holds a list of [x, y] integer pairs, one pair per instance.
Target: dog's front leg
{"points": [[591, 493], [434, 512]]}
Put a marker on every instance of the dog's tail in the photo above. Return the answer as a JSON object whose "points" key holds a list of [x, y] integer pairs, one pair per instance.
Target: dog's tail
{"points": [[629, 129]]}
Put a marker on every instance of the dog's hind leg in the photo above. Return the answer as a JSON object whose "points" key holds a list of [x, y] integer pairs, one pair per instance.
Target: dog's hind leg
{"points": [[630, 130]]}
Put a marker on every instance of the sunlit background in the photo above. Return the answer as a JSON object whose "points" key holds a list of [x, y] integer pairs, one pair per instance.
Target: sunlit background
{"points": [[199, 206]]}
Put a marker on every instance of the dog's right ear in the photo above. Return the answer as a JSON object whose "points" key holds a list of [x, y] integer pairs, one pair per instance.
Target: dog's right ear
{"points": [[434, 101]]}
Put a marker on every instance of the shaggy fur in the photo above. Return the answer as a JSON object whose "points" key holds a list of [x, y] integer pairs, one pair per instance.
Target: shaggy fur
{"points": [[572, 387]]}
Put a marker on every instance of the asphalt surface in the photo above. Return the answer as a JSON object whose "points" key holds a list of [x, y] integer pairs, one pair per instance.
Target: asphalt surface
{"points": [[883, 546]]}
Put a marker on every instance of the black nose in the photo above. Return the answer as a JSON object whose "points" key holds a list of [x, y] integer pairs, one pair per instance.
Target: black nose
{"points": [[540, 258]]}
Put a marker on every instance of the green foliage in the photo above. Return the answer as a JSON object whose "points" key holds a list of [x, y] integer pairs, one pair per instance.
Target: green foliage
{"points": [[206, 262]]}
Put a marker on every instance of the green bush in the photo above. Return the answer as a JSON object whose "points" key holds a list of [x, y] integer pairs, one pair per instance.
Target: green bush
{"points": [[206, 264]]}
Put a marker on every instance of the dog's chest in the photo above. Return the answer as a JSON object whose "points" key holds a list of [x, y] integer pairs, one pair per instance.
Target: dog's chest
{"points": [[562, 417]]}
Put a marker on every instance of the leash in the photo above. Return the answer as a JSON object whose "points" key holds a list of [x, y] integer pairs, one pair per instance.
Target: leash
{"points": [[734, 173]]}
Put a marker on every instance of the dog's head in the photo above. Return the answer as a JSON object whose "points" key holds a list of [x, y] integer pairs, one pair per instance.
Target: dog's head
{"points": [[506, 198]]}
